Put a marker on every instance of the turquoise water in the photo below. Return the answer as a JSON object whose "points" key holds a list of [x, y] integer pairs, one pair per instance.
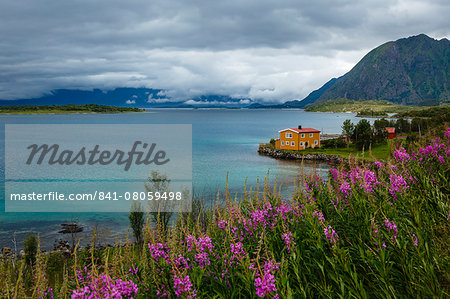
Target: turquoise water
{"points": [[225, 142]]}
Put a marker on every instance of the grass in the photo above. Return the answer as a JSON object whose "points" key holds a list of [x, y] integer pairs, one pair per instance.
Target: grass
{"points": [[378, 152], [378, 230], [363, 107]]}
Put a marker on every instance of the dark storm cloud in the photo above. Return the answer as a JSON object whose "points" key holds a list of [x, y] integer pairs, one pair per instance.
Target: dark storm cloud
{"points": [[274, 50]]}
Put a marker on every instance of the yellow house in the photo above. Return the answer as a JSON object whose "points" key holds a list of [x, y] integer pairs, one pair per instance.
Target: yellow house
{"points": [[298, 139]]}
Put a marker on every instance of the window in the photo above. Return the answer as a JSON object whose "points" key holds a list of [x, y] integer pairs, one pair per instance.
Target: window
{"points": [[310, 134], [287, 142], [282, 142], [301, 143], [303, 135], [288, 135], [315, 142], [293, 143]]}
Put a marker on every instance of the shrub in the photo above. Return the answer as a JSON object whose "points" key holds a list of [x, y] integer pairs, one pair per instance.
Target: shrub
{"points": [[30, 248]]}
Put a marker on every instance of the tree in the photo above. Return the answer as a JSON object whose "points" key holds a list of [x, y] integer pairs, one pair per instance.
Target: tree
{"points": [[30, 249], [136, 218], [347, 130], [363, 134], [379, 130], [71, 228], [159, 183], [402, 126]]}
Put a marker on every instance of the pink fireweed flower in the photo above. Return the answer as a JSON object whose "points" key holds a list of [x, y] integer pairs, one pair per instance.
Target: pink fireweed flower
{"points": [[319, 216], [337, 175], [222, 224], [158, 251], [289, 240], [162, 293], [183, 286], [237, 250], [133, 269], [259, 217], [441, 159], [330, 234], [265, 282], [345, 189], [391, 226], [401, 155], [181, 262], [370, 181], [106, 287], [203, 246], [415, 240], [202, 259], [283, 210], [378, 164], [447, 133], [397, 185], [190, 242]]}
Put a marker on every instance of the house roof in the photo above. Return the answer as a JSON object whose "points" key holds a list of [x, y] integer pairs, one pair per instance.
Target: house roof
{"points": [[390, 130], [304, 130]]}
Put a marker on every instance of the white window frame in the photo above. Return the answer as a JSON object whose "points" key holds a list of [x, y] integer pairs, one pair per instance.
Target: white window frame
{"points": [[316, 142], [293, 143], [310, 134], [303, 135], [282, 142], [302, 143], [288, 135], [287, 142]]}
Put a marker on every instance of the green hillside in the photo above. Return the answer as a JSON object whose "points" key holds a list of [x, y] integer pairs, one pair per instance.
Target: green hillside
{"points": [[409, 71]]}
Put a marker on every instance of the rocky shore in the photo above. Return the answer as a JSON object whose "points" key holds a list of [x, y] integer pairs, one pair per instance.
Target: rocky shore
{"points": [[291, 155]]}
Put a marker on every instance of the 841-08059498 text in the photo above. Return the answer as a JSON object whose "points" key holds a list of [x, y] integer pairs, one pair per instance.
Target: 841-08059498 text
{"points": [[99, 195]]}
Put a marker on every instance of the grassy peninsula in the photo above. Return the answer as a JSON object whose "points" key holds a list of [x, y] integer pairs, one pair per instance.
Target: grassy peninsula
{"points": [[374, 108], [45, 109]]}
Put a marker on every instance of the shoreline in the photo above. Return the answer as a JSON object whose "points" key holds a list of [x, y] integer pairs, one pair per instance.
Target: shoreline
{"points": [[290, 155]]}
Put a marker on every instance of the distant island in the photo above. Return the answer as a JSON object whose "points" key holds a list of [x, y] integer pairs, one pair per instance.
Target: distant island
{"points": [[45, 109]]}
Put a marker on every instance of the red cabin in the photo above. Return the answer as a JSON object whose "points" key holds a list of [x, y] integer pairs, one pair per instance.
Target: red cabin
{"points": [[391, 133]]}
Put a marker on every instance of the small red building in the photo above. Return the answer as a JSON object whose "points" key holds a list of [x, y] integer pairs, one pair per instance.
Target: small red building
{"points": [[391, 133]]}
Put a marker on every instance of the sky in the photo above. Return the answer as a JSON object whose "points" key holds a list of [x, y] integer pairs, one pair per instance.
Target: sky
{"points": [[269, 51]]}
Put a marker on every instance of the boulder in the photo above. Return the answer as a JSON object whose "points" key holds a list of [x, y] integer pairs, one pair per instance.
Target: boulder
{"points": [[6, 251]]}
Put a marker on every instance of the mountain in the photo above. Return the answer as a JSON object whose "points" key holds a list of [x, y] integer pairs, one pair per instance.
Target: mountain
{"points": [[129, 97], [312, 97], [410, 71]]}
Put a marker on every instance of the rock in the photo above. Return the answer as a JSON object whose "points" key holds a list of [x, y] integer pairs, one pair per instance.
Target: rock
{"points": [[290, 155], [62, 245], [6, 251]]}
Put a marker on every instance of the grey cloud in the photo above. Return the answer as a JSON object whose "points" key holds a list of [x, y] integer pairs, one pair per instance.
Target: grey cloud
{"points": [[273, 50]]}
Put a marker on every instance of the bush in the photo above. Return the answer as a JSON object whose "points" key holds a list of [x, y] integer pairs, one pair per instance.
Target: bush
{"points": [[333, 143], [30, 249]]}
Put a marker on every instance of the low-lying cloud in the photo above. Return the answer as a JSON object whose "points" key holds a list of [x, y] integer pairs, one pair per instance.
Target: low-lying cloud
{"points": [[264, 50]]}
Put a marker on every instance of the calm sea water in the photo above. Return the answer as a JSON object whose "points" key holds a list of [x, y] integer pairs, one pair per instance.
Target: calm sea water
{"points": [[225, 142]]}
